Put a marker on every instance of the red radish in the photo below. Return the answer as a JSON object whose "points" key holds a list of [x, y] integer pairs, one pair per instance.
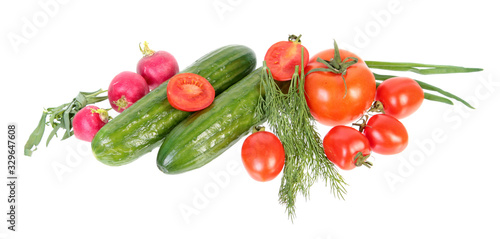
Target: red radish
{"points": [[125, 89], [88, 121], [156, 66]]}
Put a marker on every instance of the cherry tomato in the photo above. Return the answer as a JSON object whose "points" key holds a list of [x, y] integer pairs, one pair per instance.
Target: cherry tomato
{"points": [[386, 134], [190, 92], [342, 146], [263, 155], [400, 96], [326, 95], [282, 57]]}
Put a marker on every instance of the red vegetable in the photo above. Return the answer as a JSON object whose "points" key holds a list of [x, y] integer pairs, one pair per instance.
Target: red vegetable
{"points": [[346, 147], [263, 155], [190, 92], [333, 101], [88, 121], [386, 134], [400, 96], [282, 57], [125, 89], [156, 66], [329, 54]]}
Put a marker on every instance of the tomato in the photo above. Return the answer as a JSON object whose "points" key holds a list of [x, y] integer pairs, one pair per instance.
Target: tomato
{"points": [[330, 53], [263, 155], [386, 134], [190, 92], [346, 147], [332, 102], [282, 57], [400, 96]]}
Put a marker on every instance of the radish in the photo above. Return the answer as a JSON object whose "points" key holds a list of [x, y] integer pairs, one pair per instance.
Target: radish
{"points": [[156, 66], [88, 121], [125, 89]]}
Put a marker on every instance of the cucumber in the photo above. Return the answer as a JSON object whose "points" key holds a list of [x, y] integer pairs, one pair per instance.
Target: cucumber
{"points": [[208, 133], [143, 126]]}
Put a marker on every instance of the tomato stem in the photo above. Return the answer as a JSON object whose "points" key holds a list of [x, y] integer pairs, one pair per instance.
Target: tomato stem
{"points": [[377, 107], [258, 128], [336, 65], [362, 125], [294, 38], [360, 160]]}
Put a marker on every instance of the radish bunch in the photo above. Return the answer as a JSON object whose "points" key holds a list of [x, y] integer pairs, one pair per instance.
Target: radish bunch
{"points": [[126, 88]]}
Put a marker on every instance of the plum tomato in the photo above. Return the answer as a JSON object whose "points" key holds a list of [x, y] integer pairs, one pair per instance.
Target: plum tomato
{"points": [[88, 121], [282, 57], [346, 147], [333, 101], [386, 134], [263, 155], [400, 96], [125, 89], [190, 92]]}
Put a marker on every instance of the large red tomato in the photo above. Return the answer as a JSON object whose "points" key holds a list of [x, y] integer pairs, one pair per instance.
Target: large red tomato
{"points": [[333, 102]]}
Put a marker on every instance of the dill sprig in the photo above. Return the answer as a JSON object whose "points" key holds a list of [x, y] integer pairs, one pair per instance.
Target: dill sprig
{"points": [[289, 118]]}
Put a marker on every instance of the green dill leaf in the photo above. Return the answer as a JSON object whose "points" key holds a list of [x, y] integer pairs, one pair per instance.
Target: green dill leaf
{"points": [[290, 120]]}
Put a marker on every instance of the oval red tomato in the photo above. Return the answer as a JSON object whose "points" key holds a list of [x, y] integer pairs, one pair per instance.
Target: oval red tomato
{"points": [[342, 146], [282, 57], [386, 134], [400, 96], [190, 92], [263, 155], [326, 95]]}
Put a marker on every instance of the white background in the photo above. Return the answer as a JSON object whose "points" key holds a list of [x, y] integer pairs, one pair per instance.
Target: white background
{"points": [[447, 188]]}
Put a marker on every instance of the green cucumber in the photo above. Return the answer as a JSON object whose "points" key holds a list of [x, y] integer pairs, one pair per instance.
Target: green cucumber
{"points": [[208, 133], [143, 126]]}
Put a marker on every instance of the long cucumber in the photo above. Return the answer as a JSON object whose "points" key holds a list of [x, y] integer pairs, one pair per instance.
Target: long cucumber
{"points": [[206, 134]]}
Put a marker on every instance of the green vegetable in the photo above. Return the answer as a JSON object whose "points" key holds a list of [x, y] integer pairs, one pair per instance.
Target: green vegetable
{"points": [[208, 133], [419, 68], [140, 128]]}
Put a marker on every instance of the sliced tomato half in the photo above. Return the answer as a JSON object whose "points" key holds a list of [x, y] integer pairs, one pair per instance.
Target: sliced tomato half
{"points": [[283, 56], [190, 92]]}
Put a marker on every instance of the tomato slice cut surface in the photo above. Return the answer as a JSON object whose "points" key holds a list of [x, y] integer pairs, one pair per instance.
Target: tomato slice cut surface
{"points": [[282, 57], [190, 92]]}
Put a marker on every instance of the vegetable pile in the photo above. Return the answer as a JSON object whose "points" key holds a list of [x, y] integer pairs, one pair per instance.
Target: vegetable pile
{"points": [[197, 114]]}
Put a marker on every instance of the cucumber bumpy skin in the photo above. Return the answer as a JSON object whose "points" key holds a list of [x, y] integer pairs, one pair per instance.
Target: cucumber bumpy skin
{"points": [[143, 126], [206, 134]]}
